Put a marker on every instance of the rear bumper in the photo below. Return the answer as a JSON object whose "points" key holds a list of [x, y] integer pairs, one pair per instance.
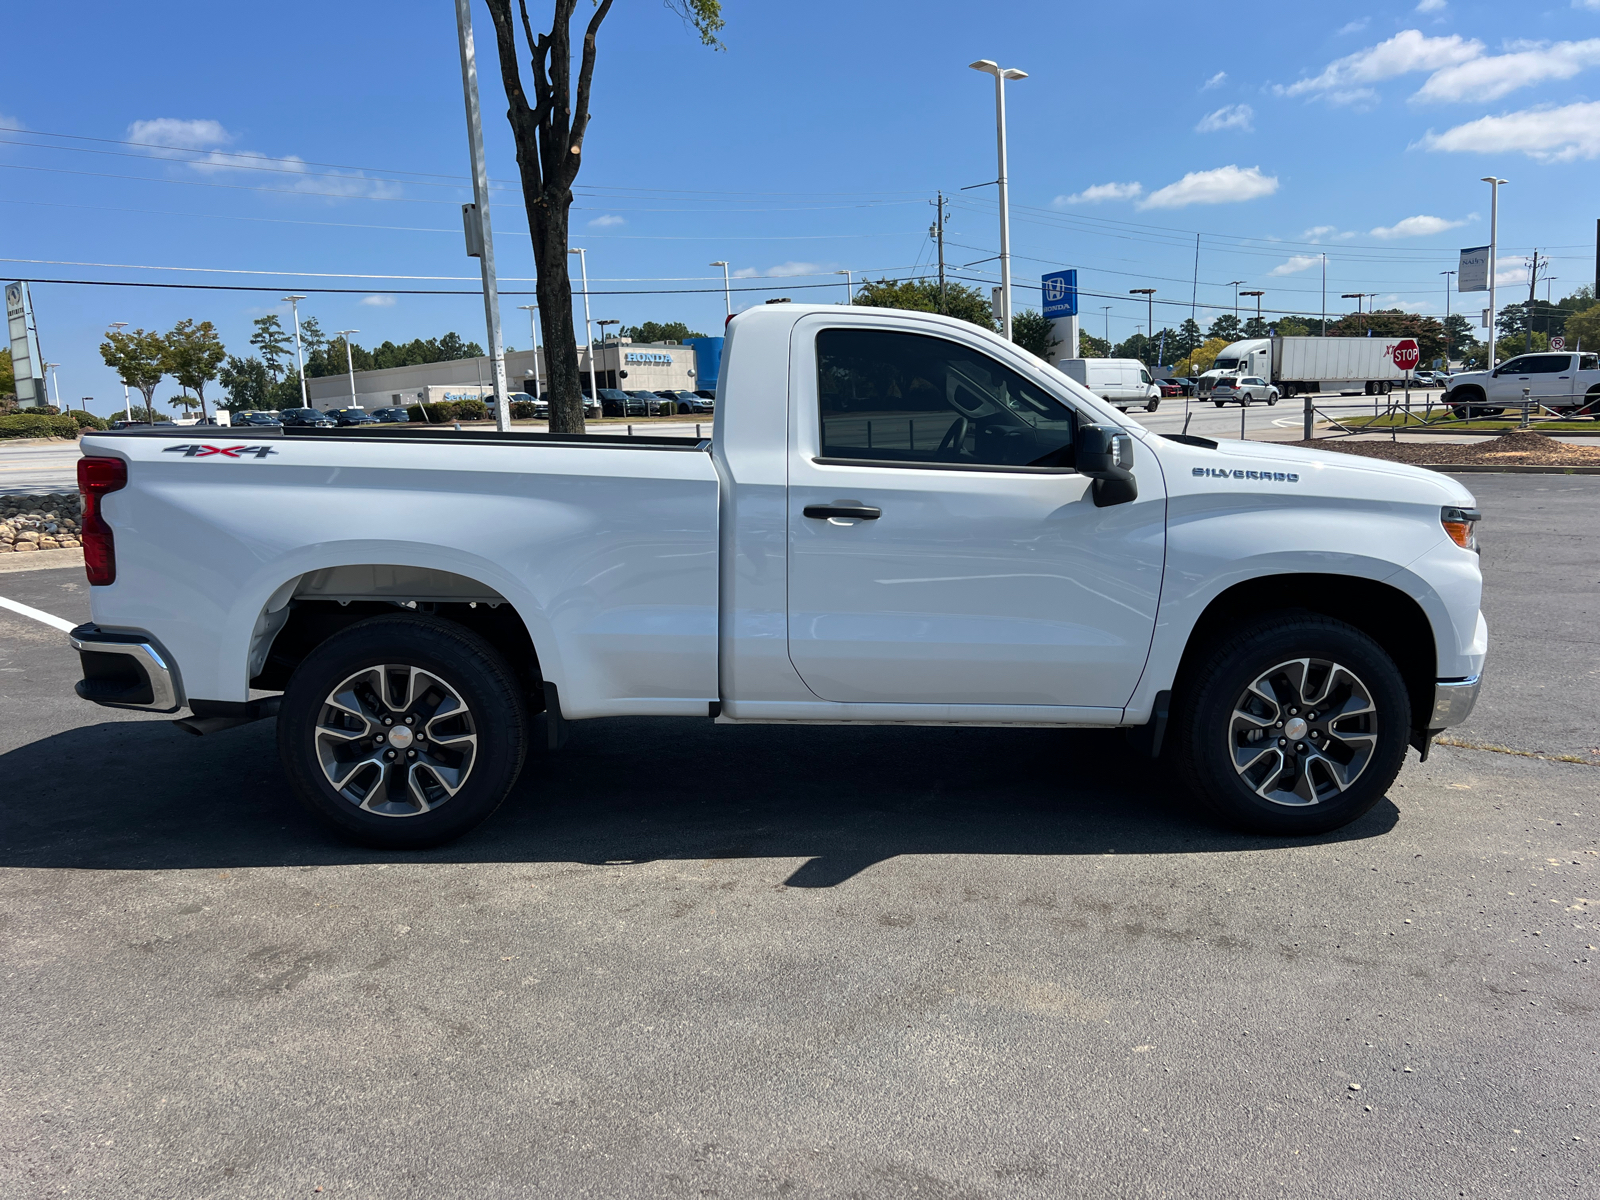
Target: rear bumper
{"points": [[1453, 700], [125, 670]]}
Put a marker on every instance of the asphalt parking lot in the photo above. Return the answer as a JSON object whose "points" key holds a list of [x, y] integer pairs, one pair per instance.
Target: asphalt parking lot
{"points": [[751, 961]]}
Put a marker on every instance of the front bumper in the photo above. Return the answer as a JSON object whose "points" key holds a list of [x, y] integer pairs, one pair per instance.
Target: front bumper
{"points": [[1453, 700], [125, 670]]}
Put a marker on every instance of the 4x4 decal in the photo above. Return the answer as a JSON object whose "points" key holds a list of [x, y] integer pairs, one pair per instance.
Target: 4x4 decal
{"points": [[197, 450]]}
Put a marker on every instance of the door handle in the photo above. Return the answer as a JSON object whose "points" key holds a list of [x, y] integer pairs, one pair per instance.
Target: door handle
{"points": [[857, 512]]}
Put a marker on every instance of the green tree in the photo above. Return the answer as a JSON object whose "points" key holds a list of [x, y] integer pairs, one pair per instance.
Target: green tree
{"points": [[271, 342], [286, 392], [1256, 327], [1583, 328], [1201, 358], [1226, 327], [1295, 327], [1458, 335], [1138, 346], [1090, 346], [185, 402], [1034, 333], [922, 295], [139, 359], [1393, 323], [8, 375], [659, 331], [248, 382], [1189, 338], [194, 353], [549, 132], [312, 339]]}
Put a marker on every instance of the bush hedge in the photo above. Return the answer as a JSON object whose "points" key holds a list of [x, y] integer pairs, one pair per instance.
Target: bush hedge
{"points": [[31, 425], [522, 410], [446, 411], [86, 420]]}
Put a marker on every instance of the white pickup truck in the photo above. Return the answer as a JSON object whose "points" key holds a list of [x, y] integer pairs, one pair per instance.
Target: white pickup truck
{"points": [[900, 519], [1566, 383]]}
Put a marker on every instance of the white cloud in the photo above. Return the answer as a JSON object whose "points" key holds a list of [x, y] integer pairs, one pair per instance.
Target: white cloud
{"points": [[1590, 4], [1233, 116], [1512, 270], [1416, 227], [1398, 301], [11, 122], [1543, 134], [179, 139], [1356, 26], [1224, 185], [1492, 77], [1427, 6], [1343, 80], [1101, 192], [1296, 264], [782, 269], [1220, 77], [378, 301], [606, 221]]}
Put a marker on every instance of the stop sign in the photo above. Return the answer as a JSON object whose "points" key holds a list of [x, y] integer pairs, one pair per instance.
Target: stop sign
{"points": [[1406, 355]]}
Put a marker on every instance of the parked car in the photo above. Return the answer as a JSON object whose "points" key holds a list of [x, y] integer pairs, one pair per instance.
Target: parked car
{"points": [[706, 394], [590, 408], [1173, 387], [258, 418], [1123, 382], [1243, 390], [352, 416], [389, 416], [687, 400], [643, 404], [614, 402], [1304, 617], [305, 418], [124, 424]]}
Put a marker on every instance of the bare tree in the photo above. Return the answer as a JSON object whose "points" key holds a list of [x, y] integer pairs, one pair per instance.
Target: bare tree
{"points": [[549, 134]]}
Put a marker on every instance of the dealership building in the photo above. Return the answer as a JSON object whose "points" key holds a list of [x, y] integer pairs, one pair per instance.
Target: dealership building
{"points": [[618, 363]]}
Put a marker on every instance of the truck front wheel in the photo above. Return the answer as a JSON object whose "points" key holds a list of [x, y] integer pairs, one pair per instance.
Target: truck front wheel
{"points": [[402, 731], [1292, 724]]}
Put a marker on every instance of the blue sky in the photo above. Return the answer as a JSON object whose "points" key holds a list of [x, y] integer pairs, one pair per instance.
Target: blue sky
{"points": [[812, 144]]}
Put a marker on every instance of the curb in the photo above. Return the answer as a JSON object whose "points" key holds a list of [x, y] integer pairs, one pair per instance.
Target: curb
{"points": [[1505, 469], [39, 560]]}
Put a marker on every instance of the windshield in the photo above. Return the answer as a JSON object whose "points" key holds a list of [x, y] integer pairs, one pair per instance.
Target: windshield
{"points": [[1225, 364]]}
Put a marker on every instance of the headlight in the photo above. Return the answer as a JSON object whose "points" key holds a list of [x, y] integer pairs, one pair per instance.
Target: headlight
{"points": [[1460, 524]]}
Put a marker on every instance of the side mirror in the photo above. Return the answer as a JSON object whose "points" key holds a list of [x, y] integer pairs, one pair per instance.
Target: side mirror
{"points": [[1105, 455]]}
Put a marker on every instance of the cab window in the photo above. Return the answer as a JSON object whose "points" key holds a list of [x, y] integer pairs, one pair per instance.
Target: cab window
{"points": [[906, 397], [1517, 366]]}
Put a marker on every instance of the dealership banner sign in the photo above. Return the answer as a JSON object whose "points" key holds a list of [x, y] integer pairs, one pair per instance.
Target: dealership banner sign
{"points": [[1473, 270]]}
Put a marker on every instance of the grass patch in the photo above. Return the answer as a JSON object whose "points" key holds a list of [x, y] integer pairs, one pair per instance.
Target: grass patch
{"points": [[1414, 420]]}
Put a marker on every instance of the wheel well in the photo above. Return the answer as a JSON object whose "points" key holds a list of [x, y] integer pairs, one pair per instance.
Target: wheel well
{"points": [[322, 603], [1384, 613], [1464, 393]]}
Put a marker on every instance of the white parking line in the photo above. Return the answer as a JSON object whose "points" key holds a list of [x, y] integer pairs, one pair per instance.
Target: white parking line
{"points": [[47, 618]]}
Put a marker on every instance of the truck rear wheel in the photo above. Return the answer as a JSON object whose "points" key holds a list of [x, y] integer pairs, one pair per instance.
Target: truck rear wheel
{"points": [[1152, 406], [402, 731], [1292, 724]]}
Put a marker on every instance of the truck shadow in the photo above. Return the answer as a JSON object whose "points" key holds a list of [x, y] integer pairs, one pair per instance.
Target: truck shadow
{"points": [[142, 795]]}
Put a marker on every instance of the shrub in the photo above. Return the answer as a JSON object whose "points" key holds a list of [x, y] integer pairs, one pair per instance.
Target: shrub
{"points": [[522, 410], [471, 410], [417, 412], [33, 424], [444, 410], [668, 409], [86, 420]]}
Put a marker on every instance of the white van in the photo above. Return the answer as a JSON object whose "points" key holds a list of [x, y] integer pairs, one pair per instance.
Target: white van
{"points": [[1123, 382]]}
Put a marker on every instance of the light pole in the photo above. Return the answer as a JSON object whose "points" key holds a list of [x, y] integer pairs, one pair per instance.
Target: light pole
{"points": [[1324, 299], [1001, 74], [849, 287], [1494, 183], [1149, 295], [127, 399], [55, 384], [1258, 296], [603, 325], [1356, 296], [588, 334], [299, 358], [1234, 284], [727, 291], [1447, 275], [533, 332], [349, 363], [1107, 310], [480, 238]]}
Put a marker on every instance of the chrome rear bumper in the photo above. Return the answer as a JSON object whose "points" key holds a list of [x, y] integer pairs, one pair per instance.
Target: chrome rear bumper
{"points": [[125, 670], [1452, 701]]}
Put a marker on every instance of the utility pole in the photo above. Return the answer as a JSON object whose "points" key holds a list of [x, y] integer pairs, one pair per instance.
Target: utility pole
{"points": [[936, 231], [1447, 275], [1533, 282], [1494, 182], [1324, 296], [1149, 295]]}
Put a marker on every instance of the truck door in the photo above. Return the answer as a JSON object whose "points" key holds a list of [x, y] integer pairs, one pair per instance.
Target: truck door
{"points": [[941, 548], [1506, 384]]}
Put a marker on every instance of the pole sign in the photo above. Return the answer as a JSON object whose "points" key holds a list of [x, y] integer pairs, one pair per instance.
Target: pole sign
{"points": [[26, 361], [1060, 294], [1472, 274], [1406, 355], [1558, 343]]}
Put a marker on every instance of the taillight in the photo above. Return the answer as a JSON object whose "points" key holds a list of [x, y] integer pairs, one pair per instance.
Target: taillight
{"points": [[1459, 523], [96, 477]]}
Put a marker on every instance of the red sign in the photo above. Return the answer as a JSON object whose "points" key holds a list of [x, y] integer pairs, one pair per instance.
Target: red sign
{"points": [[1406, 355]]}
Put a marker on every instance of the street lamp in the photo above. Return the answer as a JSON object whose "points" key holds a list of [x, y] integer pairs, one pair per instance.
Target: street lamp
{"points": [[55, 384], [1494, 250], [618, 381], [349, 362], [1001, 74], [1356, 296], [127, 400], [1258, 296], [727, 292], [1107, 310], [588, 335], [849, 287], [533, 332], [1150, 308], [299, 358], [1234, 284]]}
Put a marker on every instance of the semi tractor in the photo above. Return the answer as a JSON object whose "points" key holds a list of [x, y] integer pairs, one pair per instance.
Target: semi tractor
{"points": [[1299, 365]]}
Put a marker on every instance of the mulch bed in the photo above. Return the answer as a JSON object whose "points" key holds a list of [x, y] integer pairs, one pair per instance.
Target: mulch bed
{"points": [[1520, 447]]}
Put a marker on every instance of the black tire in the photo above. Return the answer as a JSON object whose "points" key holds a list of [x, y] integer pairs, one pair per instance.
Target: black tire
{"points": [[1152, 406], [1212, 729], [480, 748], [1271, 399], [1218, 403]]}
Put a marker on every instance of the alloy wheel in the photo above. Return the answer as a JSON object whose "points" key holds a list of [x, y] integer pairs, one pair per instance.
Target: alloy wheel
{"points": [[1303, 732], [396, 740]]}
